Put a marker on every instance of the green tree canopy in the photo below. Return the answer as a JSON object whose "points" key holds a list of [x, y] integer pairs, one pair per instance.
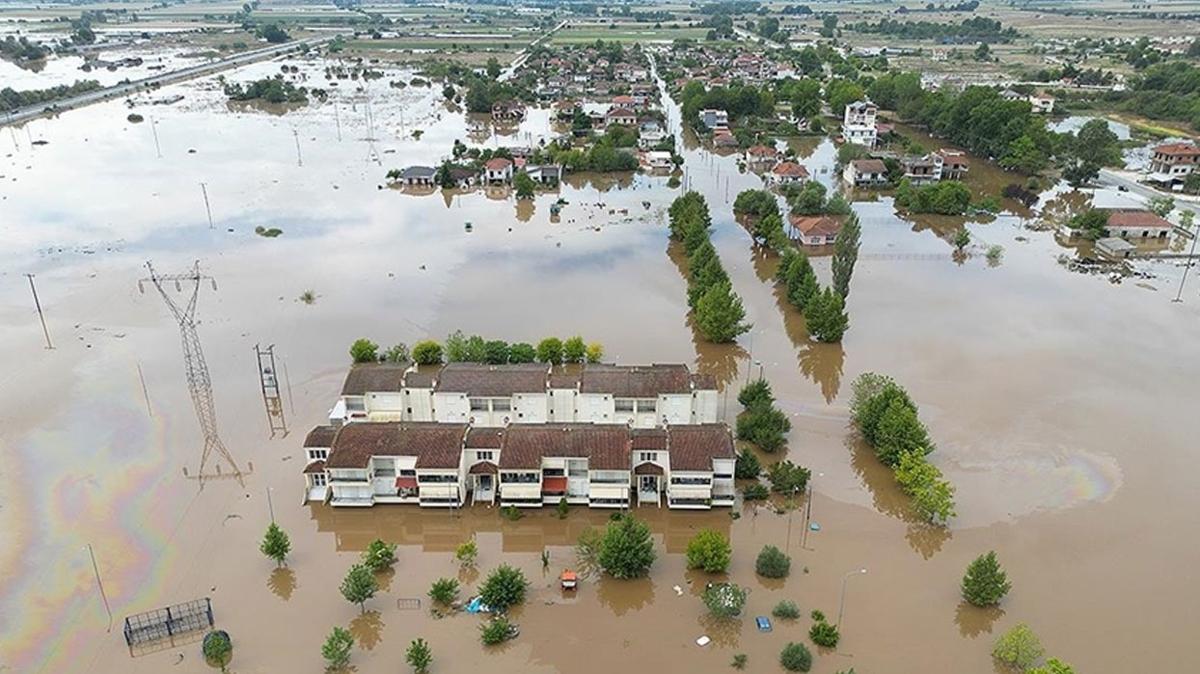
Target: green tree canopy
{"points": [[985, 582], [710, 551], [359, 585], [626, 548]]}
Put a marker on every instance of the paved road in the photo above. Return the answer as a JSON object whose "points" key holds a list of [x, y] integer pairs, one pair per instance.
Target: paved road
{"points": [[1109, 177], [128, 88], [523, 55]]}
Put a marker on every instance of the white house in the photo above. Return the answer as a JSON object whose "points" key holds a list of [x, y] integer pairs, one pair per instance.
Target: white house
{"points": [[1137, 224], [858, 123], [714, 119], [620, 117], [397, 462], [1042, 104], [865, 172], [924, 170], [657, 159], [491, 395], [786, 173], [816, 230], [498, 170]]}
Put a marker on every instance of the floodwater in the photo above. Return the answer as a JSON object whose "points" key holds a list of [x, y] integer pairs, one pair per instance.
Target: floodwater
{"points": [[1060, 404]]}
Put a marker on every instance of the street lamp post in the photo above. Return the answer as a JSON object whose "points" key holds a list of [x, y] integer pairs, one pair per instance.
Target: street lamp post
{"points": [[842, 601]]}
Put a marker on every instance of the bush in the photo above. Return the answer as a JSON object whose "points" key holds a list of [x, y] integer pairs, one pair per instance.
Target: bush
{"points": [[725, 600], [379, 555], [419, 656], [1053, 666], [626, 549], [817, 615], [755, 491], [594, 352], [773, 563], [796, 658], [217, 647], [739, 661], [747, 466], [824, 634], [708, 550], [550, 350], [497, 631], [359, 585], [985, 583], [757, 392], [275, 544], [504, 588], [444, 590], [522, 352], [364, 351], [763, 425], [786, 610], [466, 553], [336, 649], [788, 478], [574, 350], [397, 354], [427, 352]]}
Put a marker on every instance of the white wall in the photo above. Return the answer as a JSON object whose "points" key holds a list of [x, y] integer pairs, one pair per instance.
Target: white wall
{"points": [[531, 408], [562, 404], [597, 408], [420, 401], [677, 408], [385, 406], [704, 404], [451, 408]]}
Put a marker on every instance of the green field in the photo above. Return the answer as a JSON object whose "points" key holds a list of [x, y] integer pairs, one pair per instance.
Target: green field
{"points": [[627, 34]]}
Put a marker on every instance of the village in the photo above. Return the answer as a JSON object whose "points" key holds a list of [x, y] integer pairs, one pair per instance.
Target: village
{"points": [[873, 294]]}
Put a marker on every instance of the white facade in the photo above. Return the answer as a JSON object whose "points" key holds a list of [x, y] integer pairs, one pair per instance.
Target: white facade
{"points": [[858, 123]]}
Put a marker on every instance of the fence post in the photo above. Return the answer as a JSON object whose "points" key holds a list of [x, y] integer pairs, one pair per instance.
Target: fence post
{"points": [[170, 630]]}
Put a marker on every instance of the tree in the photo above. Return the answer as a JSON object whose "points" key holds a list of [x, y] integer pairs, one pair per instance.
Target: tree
{"points": [[1024, 155], [826, 317], [217, 648], [765, 426], [845, 252], [1018, 648], [379, 555], [757, 392], [496, 352], [899, 432], [1096, 144], [444, 590], [476, 349], [725, 600], [982, 52], [275, 544], [719, 314], [456, 347], [524, 185], [364, 351], [788, 478], [427, 352], [595, 352], [796, 658], [932, 496], [985, 582], [336, 649], [746, 467], [809, 200], [772, 563], [1091, 223], [710, 551], [497, 630], [626, 549], [786, 610], [504, 588], [1053, 666], [823, 634], [397, 354], [521, 352], [359, 585], [466, 553], [1080, 173], [419, 656], [962, 238], [574, 350], [550, 350], [1161, 206], [493, 68]]}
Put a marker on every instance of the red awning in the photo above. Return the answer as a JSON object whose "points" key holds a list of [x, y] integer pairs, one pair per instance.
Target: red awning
{"points": [[554, 484], [406, 483]]}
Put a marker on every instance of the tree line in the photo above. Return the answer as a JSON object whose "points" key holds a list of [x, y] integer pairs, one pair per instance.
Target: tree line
{"points": [[886, 417], [974, 29], [460, 348], [717, 310]]}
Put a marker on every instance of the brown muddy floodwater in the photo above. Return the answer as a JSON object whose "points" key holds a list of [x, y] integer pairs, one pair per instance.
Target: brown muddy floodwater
{"points": [[1062, 405]]}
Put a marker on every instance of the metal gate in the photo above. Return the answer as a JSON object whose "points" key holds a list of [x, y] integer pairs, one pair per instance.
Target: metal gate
{"points": [[143, 628]]}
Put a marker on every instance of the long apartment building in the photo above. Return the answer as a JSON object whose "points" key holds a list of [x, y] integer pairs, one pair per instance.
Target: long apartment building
{"points": [[604, 436]]}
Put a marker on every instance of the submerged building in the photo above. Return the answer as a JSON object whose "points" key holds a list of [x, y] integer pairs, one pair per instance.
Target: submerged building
{"points": [[523, 435]]}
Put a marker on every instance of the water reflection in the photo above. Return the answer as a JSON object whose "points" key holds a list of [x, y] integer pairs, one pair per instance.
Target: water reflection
{"points": [[723, 631], [282, 582], [973, 621], [925, 539], [367, 629], [822, 364], [622, 596]]}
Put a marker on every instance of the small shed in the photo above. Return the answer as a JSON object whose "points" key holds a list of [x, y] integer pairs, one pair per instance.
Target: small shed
{"points": [[1114, 247]]}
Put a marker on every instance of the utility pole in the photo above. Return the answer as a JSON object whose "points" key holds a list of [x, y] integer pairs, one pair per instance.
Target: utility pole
{"points": [[154, 130], [299, 159], [270, 505], [338, 121], [1188, 265], [145, 393], [103, 596], [37, 303], [207, 208]]}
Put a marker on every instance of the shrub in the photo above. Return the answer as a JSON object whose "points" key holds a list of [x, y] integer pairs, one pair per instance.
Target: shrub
{"points": [[725, 600], [275, 544], [561, 509], [772, 563], [786, 610], [595, 352], [505, 587], [788, 478], [708, 550], [824, 634], [419, 656], [1018, 648], [796, 658], [574, 350], [336, 649], [763, 425], [985, 582], [755, 491], [550, 350], [397, 353], [747, 466], [817, 615], [359, 585], [427, 352], [217, 648], [444, 590], [497, 630], [739, 661], [626, 549], [757, 392], [1053, 666], [379, 555], [364, 351], [466, 553]]}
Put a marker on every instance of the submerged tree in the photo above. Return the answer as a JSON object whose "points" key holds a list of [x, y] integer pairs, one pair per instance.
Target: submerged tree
{"points": [[845, 255], [336, 649], [275, 544], [710, 551], [379, 555], [626, 548], [359, 585], [504, 588], [1018, 648], [985, 582], [419, 656]]}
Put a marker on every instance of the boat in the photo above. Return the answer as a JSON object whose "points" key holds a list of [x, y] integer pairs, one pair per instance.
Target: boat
{"points": [[569, 579]]}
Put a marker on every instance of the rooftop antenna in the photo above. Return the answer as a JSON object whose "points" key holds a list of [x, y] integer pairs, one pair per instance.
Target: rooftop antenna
{"points": [[195, 367]]}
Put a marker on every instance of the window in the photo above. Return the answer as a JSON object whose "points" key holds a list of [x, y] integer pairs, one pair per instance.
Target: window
{"points": [[318, 454], [610, 476], [408, 473], [647, 456], [501, 405], [690, 480], [479, 405], [356, 404], [482, 455], [553, 472], [318, 479], [723, 476], [437, 478], [385, 471], [623, 405], [646, 405], [519, 478]]}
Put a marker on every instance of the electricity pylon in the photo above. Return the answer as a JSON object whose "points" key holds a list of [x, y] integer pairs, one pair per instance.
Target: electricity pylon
{"points": [[198, 380]]}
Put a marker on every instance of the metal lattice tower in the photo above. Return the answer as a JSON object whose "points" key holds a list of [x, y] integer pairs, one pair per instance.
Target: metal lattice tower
{"points": [[198, 380], [270, 389]]}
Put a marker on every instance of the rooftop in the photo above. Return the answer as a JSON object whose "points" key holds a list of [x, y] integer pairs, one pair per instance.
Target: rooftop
{"points": [[364, 377], [478, 379], [635, 381], [1135, 218]]}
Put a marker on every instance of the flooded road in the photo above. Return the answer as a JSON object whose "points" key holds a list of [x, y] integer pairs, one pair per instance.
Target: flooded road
{"points": [[1060, 403]]}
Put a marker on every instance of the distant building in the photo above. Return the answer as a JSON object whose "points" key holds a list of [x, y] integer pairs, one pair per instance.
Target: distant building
{"points": [[545, 174], [508, 111], [1041, 104], [418, 176], [923, 170], [498, 170], [714, 119], [787, 173], [650, 134], [620, 116], [1115, 248], [762, 155], [1173, 162], [1128, 224], [816, 230], [865, 173], [858, 123], [954, 164], [657, 159]]}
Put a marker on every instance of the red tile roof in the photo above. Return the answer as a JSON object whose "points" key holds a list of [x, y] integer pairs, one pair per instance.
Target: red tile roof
{"points": [[485, 438], [693, 447], [317, 466], [373, 377], [817, 225], [497, 164], [869, 166], [762, 151], [648, 439], [483, 468], [605, 445], [320, 436], [1177, 149], [790, 169], [647, 468], [1134, 218], [435, 445]]}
